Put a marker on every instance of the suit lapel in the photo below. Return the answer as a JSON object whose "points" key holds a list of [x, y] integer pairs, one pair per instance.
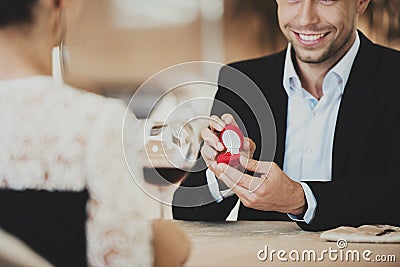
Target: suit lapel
{"points": [[355, 100]]}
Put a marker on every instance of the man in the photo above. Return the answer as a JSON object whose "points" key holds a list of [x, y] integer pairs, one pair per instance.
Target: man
{"points": [[333, 96]]}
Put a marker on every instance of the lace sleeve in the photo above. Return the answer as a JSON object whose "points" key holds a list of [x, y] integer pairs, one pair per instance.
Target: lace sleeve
{"points": [[118, 232]]}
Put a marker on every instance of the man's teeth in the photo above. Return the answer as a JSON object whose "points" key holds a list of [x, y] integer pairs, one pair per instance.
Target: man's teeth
{"points": [[311, 37]]}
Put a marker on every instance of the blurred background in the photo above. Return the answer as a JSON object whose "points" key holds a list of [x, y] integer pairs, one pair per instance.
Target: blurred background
{"points": [[116, 45], [131, 40]]}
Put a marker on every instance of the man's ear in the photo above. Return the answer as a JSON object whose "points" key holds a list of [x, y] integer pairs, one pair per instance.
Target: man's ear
{"points": [[362, 6]]}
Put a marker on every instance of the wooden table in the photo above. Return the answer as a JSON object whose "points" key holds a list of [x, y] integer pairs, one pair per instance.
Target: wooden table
{"points": [[238, 243]]}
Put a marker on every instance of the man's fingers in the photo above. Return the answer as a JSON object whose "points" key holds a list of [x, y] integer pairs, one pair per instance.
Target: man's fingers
{"points": [[236, 188], [216, 123], [234, 175], [246, 195], [229, 119], [262, 167], [208, 153], [212, 165], [211, 139], [246, 144]]}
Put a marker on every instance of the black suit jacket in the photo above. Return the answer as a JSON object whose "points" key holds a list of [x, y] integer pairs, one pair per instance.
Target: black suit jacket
{"points": [[366, 149]]}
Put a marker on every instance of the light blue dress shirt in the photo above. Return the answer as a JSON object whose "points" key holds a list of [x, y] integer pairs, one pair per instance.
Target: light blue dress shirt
{"points": [[310, 129], [311, 125]]}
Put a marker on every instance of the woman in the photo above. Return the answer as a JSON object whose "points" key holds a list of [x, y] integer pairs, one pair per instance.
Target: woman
{"points": [[57, 138]]}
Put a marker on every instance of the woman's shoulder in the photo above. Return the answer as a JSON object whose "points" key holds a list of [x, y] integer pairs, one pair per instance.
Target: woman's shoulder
{"points": [[89, 101], [92, 108]]}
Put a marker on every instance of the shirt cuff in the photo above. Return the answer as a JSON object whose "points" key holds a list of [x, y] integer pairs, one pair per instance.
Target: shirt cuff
{"points": [[311, 205], [213, 186]]}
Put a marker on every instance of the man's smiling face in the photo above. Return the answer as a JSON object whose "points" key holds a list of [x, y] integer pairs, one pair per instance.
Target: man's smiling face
{"points": [[320, 30]]}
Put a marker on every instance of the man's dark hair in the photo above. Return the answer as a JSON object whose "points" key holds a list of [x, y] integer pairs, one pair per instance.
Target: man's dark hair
{"points": [[16, 12]]}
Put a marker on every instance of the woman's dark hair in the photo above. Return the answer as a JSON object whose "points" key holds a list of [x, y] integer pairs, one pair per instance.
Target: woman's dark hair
{"points": [[16, 12]]}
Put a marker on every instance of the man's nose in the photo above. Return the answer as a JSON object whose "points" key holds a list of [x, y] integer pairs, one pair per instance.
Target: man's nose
{"points": [[307, 14]]}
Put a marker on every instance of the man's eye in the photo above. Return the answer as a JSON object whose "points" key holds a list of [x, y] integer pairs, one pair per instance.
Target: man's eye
{"points": [[327, 2]]}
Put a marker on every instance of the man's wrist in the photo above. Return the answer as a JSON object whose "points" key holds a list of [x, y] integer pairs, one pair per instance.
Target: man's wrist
{"points": [[299, 206]]}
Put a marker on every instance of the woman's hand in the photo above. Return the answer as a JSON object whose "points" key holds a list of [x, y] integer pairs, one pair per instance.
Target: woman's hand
{"points": [[171, 245]]}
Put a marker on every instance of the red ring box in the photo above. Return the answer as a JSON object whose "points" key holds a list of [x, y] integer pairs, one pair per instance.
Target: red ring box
{"points": [[232, 139], [229, 159]]}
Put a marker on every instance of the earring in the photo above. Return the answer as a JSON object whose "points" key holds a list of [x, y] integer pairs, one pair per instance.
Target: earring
{"points": [[62, 49], [63, 54]]}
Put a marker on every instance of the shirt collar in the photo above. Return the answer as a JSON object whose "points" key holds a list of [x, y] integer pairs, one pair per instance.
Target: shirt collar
{"points": [[342, 68], [289, 72]]}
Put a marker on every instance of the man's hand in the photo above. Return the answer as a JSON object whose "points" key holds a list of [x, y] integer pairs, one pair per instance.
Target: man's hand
{"points": [[273, 191], [212, 146]]}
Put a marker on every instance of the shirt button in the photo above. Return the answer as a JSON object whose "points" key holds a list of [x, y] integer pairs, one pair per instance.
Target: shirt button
{"points": [[316, 114], [310, 149]]}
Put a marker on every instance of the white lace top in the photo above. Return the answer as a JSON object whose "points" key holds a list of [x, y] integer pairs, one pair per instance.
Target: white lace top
{"points": [[56, 137]]}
